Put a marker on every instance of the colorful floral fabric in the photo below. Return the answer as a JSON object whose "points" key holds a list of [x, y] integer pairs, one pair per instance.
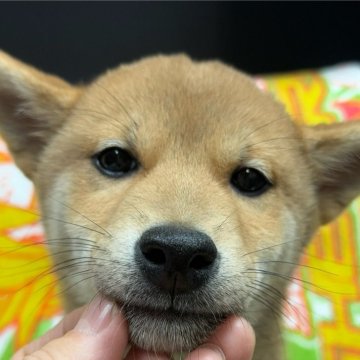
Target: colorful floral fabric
{"points": [[322, 315], [29, 304]]}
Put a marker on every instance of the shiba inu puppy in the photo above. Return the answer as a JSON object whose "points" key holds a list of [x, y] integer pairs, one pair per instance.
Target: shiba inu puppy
{"points": [[177, 189]]}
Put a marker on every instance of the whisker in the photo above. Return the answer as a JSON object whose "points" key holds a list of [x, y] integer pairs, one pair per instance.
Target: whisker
{"points": [[271, 140], [73, 285], [56, 281], [68, 263], [74, 224], [269, 247], [218, 227], [278, 295], [330, 261], [264, 301], [61, 221], [48, 270], [272, 289], [141, 213], [19, 247], [38, 277], [70, 239], [261, 127], [296, 264], [39, 259], [84, 216], [117, 100], [81, 259], [292, 278]]}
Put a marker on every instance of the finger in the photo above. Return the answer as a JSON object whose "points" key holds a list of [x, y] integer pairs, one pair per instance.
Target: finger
{"points": [[101, 333], [138, 354], [207, 352], [233, 340], [68, 323]]}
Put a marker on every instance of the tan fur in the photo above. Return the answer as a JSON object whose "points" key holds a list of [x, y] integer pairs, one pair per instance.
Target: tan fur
{"points": [[190, 124]]}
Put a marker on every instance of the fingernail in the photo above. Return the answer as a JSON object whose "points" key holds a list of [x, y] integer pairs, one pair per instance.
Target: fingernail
{"points": [[96, 317], [214, 351]]}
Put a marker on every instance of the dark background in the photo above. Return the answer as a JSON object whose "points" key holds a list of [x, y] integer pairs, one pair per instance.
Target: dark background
{"points": [[79, 40]]}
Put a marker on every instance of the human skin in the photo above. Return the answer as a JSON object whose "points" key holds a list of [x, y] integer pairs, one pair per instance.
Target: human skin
{"points": [[99, 331]]}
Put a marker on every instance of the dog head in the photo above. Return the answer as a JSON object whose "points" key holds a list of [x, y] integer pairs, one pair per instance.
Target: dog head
{"points": [[175, 188]]}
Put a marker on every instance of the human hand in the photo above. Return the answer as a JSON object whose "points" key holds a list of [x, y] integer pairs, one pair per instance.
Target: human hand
{"points": [[99, 332]]}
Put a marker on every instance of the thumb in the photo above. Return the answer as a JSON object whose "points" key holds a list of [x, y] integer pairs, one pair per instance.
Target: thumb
{"points": [[232, 340], [100, 334]]}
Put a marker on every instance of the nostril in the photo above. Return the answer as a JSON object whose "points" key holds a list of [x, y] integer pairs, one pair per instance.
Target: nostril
{"points": [[201, 261], [154, 255]]}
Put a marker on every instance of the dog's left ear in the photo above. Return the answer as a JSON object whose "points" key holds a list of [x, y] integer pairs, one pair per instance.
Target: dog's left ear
{"points": [[335, 154], [33, 106]]}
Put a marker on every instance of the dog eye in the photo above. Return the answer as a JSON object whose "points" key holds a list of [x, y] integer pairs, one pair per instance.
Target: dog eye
{"points": [[115, 162], [250, 181]]}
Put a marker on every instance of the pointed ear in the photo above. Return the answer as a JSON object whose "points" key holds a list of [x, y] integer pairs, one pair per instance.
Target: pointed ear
{"points": [[335, 154], [33, 106]]}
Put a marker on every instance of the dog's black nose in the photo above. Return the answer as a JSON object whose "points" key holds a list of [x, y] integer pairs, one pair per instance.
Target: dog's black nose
{"points": [[175, 258]]}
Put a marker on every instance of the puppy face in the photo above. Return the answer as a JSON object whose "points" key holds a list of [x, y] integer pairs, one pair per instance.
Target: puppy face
{"points": [[176, 189]]}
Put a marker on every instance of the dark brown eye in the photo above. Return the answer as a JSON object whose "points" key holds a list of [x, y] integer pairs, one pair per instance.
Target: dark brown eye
{"points": [[250, 181], [115, 162]]}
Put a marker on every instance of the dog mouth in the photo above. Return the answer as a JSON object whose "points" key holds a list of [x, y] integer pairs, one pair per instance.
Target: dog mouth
{"points": [[169, 330], [170, 313]]}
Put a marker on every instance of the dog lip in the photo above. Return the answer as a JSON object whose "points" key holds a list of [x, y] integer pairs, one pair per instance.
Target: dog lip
{"points": [[169, 312]]}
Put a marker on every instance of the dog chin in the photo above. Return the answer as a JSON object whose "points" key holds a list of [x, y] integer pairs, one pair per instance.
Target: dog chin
{"points": [[169, 331]]}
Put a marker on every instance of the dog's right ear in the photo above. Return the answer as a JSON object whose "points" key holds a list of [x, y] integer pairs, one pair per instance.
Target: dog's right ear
{"points": [[334, 152], [33, 106]]}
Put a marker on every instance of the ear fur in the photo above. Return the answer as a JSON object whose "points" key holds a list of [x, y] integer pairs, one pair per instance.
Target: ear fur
{"points": [[335, 154], [33, 106]]}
